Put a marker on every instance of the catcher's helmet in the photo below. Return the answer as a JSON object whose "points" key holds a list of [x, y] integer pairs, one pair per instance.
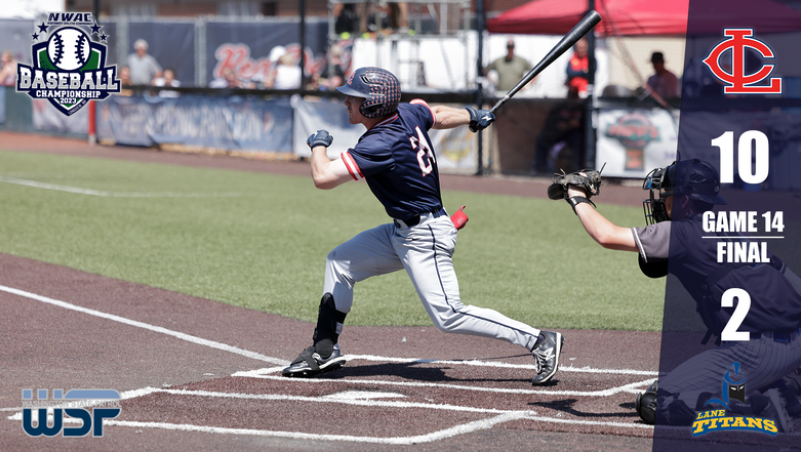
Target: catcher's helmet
{"points": [[696, 179], [380, 89]]}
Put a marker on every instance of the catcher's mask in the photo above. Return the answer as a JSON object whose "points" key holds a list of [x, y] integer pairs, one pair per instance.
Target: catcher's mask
{"points": [[380, 89], [694, 178]]}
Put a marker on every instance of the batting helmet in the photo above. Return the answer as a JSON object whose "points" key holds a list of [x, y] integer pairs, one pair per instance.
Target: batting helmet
{"points": [[694, 178], [379, 88]]}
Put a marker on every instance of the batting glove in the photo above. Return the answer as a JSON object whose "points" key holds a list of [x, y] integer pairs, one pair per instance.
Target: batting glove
{"points": [[320, 138], [480, 120]]}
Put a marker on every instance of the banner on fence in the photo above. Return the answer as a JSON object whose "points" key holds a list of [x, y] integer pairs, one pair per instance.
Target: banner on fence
{"points": [[329, 115], [48, 118], [2, 106], [232, 123], [631, 142], [251, 50]]}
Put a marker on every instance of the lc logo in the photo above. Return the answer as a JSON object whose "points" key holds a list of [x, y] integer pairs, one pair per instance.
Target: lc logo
{"points": [[76, 403], [738, 81]]}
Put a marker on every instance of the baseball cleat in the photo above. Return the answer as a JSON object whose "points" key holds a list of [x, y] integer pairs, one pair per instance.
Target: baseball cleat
{"points": [[310, 363], [547, 356]]}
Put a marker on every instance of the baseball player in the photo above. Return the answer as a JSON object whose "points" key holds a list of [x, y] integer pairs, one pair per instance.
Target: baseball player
{"points": [[397, 160], [685, 190]]}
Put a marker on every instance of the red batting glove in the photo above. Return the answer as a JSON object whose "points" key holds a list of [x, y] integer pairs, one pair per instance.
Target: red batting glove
{"points": [[459, 219]]}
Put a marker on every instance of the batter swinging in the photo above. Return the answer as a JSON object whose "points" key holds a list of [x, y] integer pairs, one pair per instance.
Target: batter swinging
{"points": [[396, 159]]}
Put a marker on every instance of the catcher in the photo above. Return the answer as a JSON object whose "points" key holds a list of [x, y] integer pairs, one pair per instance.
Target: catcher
{"points": [[674, 229]]}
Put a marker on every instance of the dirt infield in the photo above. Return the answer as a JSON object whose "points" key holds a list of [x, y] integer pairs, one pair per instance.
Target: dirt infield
{"points": [[402, 385], [199, 375]]}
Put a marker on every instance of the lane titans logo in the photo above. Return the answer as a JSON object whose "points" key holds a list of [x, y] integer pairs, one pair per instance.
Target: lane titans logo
{"points": [[720, 420], [738, 82], [68, 68]]}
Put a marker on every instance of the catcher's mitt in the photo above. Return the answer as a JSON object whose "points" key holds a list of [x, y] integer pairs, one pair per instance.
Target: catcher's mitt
{"points": [[589, 181]]}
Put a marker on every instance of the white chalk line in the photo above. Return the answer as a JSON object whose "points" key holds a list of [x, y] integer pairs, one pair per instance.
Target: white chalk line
{"points": [[501, 417], [157, 329], [111, 194], [498, 365], [469, 427], [281, 362], [628, 388], [343, 401], [462, 429], [457, 430]]}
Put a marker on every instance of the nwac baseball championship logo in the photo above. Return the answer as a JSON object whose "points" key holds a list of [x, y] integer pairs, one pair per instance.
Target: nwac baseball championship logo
{"points": [[68, 69]]}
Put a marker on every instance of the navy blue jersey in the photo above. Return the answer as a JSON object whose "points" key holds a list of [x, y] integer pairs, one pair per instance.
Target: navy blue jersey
{"points": [[398, 162]]}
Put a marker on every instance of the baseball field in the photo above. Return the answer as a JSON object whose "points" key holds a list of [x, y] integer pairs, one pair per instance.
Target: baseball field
{"points": [[186, 282]]}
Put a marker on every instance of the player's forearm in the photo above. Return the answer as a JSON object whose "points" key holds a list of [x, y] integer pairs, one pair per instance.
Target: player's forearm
{"points": [[603, 231], [449, 117], [327, 173], [321, 173]]}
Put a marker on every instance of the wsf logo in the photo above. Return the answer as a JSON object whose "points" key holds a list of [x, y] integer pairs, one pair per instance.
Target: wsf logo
{"points": [[738, 82], [69, 69], [76, 403]]}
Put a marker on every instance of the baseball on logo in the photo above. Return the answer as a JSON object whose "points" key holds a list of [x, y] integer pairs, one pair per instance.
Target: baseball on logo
{"points": [[68, 49]]}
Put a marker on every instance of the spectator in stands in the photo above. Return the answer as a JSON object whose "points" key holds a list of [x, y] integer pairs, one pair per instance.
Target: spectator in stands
{"points": [[578, 68], [8, 69], [399, 16], [144, 68], [228, 79], [510, 68], [124, 76], [562, 131], [664, 82], [347, 21], [287, 73], [167, 79], [373, 17]]}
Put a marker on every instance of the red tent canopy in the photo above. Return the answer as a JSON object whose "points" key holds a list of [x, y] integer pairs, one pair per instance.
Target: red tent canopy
{"points": [[630, 17], [645, 17]]}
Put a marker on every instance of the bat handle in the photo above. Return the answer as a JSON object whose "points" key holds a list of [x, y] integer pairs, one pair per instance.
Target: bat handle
{"points": [[499, 103]]}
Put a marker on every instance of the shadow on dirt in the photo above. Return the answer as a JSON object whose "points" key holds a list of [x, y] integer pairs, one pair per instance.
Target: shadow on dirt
{"points": [[420, 372], [566, 406]]}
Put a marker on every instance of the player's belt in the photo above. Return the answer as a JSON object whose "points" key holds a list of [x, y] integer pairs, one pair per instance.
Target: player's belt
{"points": [[415, 220]]}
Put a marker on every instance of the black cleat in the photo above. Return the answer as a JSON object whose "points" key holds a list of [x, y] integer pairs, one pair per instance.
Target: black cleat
{"points": [[310, 363], [547, 356]]}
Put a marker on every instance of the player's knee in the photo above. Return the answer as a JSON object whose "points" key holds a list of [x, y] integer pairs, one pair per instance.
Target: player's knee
{"points": [[444, 321], [332, 257]]}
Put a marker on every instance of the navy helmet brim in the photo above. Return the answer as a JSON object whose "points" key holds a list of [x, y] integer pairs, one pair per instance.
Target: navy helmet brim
{"points": [[349, 91]]}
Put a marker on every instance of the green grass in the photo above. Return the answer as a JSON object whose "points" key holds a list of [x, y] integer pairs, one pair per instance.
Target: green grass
{"points": [[265, 249]]}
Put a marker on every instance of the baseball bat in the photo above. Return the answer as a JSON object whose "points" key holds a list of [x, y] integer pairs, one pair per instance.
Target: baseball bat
{"points": [[582, 28]]}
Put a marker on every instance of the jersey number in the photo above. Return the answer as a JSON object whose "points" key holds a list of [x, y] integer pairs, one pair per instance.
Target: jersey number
{"points": [[425, 151], [730, 332]]}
